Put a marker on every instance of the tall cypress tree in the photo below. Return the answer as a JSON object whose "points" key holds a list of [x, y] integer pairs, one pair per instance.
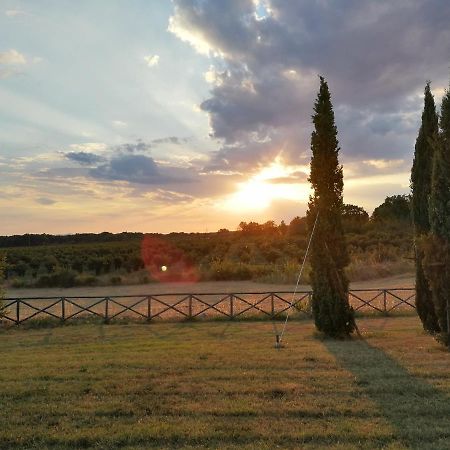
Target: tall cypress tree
{"points": [[421, 189], [332, 312], [437, 246]]}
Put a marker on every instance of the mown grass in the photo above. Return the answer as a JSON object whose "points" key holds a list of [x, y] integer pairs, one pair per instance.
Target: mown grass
{"points": [[223, 385]]}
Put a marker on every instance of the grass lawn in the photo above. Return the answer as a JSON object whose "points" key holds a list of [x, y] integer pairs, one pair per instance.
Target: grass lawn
{"points": [[223, 385]]}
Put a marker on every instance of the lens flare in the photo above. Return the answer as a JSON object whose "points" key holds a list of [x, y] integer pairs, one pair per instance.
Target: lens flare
{"points": [[159, 255]]}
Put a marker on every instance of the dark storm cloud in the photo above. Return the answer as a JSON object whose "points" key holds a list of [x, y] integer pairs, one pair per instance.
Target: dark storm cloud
{"points": [[376, 57], [139, 169], [84, 158]]}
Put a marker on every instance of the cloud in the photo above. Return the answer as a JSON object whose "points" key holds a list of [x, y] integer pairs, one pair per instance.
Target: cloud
{"points": [[170, 140], [11, 63], [89, 147], [139, 169], [84, 158], [264, 61], [45, 201], [14, 12], [12, 57], [61, 172], [134, 147], [119, 123], [166, 197], [141, 146], [151, 60]]}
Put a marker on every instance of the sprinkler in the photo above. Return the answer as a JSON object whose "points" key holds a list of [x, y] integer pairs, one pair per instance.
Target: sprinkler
{"points": [[278, 343]]}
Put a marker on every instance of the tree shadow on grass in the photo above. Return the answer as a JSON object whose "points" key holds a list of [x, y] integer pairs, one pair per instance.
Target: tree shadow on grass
{"points": [[419, 412]]}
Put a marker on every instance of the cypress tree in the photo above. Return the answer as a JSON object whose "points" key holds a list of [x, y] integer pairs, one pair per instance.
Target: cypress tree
{"points": [[332, 312], [437, 245], [421, 189]]}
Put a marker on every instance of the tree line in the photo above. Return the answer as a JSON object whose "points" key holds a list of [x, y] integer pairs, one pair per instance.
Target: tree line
{"points": [[379, 245]]}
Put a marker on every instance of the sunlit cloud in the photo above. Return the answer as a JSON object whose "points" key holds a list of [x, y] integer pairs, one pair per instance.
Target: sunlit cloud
{"points": [[119, 123], [12, 57], [181, 29], [89, 147], [14, 12], [384, 163], [151, 60]]}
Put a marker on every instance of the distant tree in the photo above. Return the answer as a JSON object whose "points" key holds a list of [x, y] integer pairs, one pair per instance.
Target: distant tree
{"points": [[332, 312], [354, 217], [437, 245], [283, 228], [249, 228], [354, 212], [298, 225], [421, 189], [268, 227], [396, 208]]}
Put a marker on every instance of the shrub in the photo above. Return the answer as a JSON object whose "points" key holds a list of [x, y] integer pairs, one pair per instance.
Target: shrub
{"points": [[115, 280], [61, 278]]}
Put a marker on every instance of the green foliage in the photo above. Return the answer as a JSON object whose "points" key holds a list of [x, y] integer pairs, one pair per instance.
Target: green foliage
{"points": [[61, 278], [437, 244], [329, 257], [436, 264], [354, 217], [422, 165], [440, 184], [396, 208], [421, 188]]}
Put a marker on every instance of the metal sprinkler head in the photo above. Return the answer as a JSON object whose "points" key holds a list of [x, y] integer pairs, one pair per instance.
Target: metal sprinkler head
{"points": [[278, 343]]}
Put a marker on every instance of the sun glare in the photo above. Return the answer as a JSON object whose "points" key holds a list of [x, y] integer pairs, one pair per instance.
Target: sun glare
{"points": [[274, 182]]}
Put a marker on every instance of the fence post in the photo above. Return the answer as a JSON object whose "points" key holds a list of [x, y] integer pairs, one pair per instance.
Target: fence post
{"points": [[385, 302], [448, 323], [63, 309], [149, 309], [190, 306], [310, 303], [18, 312], [106, 309], [231, 306], [272, 301]]}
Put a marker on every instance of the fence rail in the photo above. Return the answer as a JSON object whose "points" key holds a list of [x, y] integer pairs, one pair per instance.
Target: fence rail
{"points": [[190, 306]]}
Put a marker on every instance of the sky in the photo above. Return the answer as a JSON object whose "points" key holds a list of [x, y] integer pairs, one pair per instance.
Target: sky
{"points": [[195, 115]]}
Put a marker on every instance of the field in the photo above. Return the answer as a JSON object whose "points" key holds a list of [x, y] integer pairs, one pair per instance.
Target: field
{"points": [[404, 280], [223, 385]]}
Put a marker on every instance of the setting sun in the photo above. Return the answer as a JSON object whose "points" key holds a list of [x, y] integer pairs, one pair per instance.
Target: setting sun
{"points": [[274, 182]]}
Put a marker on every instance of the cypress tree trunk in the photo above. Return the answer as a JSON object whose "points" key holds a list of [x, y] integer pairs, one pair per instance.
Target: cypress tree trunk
{"points": [[421, 189], [332, 312], [437, 245]]}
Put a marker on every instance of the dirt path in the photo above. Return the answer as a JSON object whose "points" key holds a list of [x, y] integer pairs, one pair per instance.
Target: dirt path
{"points": [[404, 281]]}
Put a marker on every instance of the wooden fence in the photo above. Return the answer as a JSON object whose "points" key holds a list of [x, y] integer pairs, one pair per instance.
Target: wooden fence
{"points": [[191, 306]]}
